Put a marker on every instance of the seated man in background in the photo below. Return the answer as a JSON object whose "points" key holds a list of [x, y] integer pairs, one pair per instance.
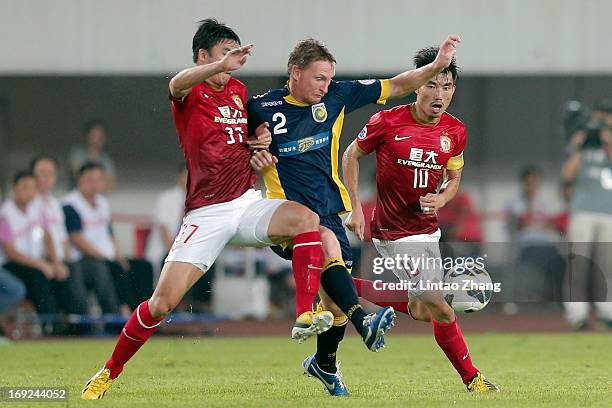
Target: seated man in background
{"points": [[25, 242], [538, 269], [88, 221], [71, 291], [12, 291], [167, 220]]}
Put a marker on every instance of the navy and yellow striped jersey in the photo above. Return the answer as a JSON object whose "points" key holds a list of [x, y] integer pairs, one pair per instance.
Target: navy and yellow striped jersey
{"points": [[306, 139]]}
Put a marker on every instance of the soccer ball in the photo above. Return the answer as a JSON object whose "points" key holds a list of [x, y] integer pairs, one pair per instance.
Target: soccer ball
{"points": [[468, 288]]}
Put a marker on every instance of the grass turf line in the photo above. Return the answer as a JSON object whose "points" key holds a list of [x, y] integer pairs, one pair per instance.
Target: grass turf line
{"points": [[557, 370]]}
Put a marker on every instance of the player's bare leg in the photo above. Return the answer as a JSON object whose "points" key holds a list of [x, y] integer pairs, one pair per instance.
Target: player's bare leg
{"points": [[431, 306], [295, 221], [395, 298], [175, 280]]}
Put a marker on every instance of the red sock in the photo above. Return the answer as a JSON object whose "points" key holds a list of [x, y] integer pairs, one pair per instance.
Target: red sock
{"points": [[307, 265], [140, 326], [398, 299], [451, 341]]}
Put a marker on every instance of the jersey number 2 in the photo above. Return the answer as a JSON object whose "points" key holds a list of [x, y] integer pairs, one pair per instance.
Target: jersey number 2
{"points": [[279, 128]]}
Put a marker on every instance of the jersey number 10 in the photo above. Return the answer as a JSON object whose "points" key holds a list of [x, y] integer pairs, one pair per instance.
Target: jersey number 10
{"points": [[421, 178]]}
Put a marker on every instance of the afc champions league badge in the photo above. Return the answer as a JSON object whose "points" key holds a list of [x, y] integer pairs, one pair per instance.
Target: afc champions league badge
{"points": [[319, 112], [238, 101], [363, 134], [445, 143]]}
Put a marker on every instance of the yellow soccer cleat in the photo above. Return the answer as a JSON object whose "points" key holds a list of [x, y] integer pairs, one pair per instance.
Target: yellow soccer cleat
{"points": [[310, 323], [480, 384], [97, 386]]}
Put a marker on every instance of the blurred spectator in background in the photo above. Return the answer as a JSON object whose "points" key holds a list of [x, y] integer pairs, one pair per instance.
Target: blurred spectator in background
{"points": [[95, 135], [167, 218], [538, 270], [460, 226], [589, 167], [69, 282], [12, 291], [561, 220], [88, 221], [25, 242]]}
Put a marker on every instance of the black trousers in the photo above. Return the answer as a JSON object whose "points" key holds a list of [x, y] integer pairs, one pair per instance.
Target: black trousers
{"points": [[98, 278], [114, 286], [39, 289]]}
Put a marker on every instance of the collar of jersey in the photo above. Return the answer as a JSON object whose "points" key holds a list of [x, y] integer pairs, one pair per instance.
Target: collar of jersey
{"points": [[290, 99]]}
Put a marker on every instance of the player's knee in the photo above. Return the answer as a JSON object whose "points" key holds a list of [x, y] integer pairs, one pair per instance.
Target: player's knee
{"points": [[441, 311], [331, 247], [420, 312], [301, 219], [307, 220], [160, 306]]}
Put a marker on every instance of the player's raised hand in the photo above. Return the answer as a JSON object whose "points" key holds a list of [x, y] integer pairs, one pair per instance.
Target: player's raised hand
{"points": [[355, 222], [262, 159], [262, 137], [446, 52], [236, 58]]}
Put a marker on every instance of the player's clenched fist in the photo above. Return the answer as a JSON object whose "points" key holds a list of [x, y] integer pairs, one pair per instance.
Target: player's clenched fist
{"points": [[355, 222], [236, 58], [446, 52], [261, 139], [262, 159], [431, 203]]}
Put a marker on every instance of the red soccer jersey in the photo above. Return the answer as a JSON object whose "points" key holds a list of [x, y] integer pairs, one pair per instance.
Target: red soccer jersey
{"points": [[212, 130], [410, 160]]}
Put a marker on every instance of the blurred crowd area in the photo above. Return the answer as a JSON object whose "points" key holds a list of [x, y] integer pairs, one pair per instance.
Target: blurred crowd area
{"points": [[63, 269]]}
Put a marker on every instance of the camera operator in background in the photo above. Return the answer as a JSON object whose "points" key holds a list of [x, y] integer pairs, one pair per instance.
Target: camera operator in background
{"points": [[589, 167]]}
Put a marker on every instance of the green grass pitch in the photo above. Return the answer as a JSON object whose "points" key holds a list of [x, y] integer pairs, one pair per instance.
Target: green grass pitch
{"points": [[557, 370]]}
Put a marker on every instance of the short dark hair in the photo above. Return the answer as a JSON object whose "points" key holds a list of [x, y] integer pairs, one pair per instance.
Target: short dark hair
{"points": [[90, 166], [308, 51], [20, 175], [529, 171], [43, 156], [92, 123], [210, 33], [428, 55]]}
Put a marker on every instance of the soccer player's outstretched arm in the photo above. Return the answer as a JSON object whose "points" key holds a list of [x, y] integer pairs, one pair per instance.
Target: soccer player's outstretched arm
{"points": [[355, 222], [409, 81], [181, 83]]}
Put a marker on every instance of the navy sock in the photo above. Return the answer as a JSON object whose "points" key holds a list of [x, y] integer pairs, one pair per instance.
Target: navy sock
{"points": [[327, 346], [340, 287]]}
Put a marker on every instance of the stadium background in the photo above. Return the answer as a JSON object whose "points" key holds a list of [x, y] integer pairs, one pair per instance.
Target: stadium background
{"points": [[67, 61]]}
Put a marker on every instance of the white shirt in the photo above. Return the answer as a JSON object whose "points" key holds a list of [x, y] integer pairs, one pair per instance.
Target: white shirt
{"points": [[53, 214], [168, 212], [24, 230], [95, 223]]}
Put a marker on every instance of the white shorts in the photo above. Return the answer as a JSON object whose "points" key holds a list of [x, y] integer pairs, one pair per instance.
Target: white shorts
{"points": [[205, 231], [425, 261]]}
